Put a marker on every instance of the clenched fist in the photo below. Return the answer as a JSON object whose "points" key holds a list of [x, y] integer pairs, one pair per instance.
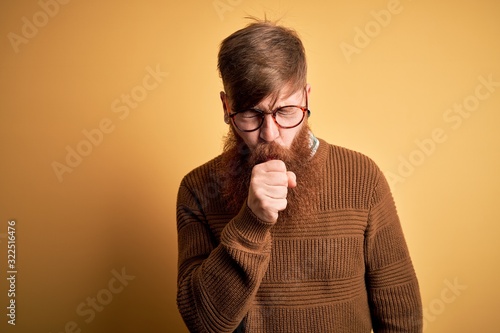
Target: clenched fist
{"points": [[268, 190]]}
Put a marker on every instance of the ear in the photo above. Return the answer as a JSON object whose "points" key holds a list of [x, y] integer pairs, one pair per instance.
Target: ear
{"points": [[308, 94], [223, 98]]}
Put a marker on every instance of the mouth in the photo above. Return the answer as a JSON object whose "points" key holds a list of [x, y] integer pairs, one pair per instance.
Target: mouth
{"points": [[271, 157], [268, 151]]}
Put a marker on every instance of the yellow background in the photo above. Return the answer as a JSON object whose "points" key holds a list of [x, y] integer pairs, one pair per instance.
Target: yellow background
{"points": [[116, 209]]}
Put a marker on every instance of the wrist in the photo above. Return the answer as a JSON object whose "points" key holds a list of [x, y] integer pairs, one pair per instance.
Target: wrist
{"points": [[247, 230]]}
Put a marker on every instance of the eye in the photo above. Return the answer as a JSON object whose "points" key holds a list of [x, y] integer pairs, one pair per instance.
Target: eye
{"points": [[249, 114], [287, 111]]}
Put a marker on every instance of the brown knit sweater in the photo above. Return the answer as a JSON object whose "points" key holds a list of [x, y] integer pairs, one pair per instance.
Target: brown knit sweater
{"points": [[343, 268]]}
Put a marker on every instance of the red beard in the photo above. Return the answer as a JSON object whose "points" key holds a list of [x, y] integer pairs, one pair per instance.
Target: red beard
{"points": [[238, 161]]}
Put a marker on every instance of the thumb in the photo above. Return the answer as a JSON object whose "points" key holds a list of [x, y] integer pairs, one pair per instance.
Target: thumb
{"points": [[292, 179]]}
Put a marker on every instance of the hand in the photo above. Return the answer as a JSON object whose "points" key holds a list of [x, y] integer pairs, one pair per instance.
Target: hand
{"points": [[268, 190]]}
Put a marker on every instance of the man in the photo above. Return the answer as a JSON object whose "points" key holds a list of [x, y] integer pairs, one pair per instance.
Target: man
{"points": [[284, 232]]}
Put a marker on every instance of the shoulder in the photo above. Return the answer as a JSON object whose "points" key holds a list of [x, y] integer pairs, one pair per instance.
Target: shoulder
{"points": [[349, 160], [354, 176], [200, 187], [201, 175]]}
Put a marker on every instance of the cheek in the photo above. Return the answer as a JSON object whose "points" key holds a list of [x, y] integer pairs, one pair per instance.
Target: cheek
{"points": [[289, 136]]}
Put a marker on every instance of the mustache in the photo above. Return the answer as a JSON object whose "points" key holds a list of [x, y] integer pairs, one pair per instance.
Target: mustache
{"points": [[267, 151]]}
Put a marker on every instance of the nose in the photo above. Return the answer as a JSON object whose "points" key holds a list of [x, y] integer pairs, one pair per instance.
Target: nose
{"points": [[269, 130]]}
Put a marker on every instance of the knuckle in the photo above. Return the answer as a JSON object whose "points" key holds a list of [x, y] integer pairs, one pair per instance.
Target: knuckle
{"points": [[259, 193], [280, 165], [266, 206]]}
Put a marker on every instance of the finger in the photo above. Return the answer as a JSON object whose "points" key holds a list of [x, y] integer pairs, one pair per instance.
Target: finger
{"points": [[276, 192], [274, 165], [275, 178], [281, 205], [292, 179]]}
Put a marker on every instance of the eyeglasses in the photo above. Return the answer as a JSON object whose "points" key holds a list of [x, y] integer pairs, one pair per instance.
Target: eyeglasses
{"points": [[286, 117]]}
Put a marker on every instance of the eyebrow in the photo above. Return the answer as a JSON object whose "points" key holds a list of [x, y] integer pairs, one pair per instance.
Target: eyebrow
{"points": [[281, 104]]}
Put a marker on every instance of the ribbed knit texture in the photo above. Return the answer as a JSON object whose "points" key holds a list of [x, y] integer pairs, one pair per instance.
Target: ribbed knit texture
{"points": [[343, 268]]}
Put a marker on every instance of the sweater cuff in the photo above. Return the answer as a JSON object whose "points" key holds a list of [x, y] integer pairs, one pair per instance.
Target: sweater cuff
{"points": [[247, 231]]}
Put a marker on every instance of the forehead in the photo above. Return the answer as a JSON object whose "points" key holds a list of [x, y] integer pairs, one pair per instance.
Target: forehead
{"points": [[284, 97]]}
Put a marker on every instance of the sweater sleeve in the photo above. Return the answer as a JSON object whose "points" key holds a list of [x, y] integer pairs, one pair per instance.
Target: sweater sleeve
{"points": [[393, 289], [217, 281]]}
